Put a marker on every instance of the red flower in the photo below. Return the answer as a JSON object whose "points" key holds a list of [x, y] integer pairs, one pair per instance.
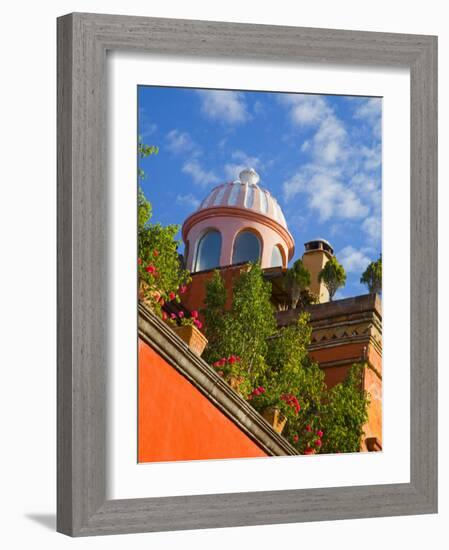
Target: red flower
{"points": [[308, 428], [232, 359], [182, 289], [181, 314], [318, 442], [319, 433], [139, 261], [198, 323], [171, 296], [155, 253], [172, 315], [194, 314], [295, 438], [309, 452], [164, 315], [150, 269]]}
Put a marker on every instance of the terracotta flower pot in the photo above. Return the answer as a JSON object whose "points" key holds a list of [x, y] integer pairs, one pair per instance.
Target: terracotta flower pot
{"points": [[276, 418], [192, 336], [235, 382]]}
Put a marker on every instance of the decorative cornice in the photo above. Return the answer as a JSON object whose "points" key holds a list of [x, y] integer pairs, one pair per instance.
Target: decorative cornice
{"points": [[236, 212], [161, 338]]}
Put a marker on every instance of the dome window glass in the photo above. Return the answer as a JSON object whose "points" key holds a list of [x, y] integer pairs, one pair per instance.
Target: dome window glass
{"points": [[208, 253], [246, 248]]}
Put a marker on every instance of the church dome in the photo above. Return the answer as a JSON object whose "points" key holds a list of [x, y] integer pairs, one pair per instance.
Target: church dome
{"points": [[247, 194], [237, 222]]}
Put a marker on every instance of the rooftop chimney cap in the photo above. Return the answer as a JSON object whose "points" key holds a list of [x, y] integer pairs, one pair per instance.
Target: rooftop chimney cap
{"points": [[250, 176], [316, 244]]}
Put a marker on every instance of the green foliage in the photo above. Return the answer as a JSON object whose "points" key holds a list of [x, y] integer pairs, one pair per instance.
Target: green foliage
{"points": [[273, 369], [144, 151], [344, 413], [244, 329], [333, 276], [296, 280], [214, 318], [161, 276], [372, 276]]}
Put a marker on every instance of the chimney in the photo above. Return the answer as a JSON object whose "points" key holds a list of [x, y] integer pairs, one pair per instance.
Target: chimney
{"points": [[317, 253]]}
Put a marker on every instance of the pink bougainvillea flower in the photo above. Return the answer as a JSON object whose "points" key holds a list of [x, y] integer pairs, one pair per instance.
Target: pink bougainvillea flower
{"points": [[182, 289], [171, 296], [172, 315], [150, 269], [308, 428], [232, 359], [318, 442], [320, 433], [309, 452], [164, 316], [295, 438], [155, 253], [194, 314], [181, 314], [199, 324]]}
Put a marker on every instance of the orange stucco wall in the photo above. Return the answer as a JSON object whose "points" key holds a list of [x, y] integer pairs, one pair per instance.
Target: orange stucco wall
{"points": [[196, 290], [176, 422], [372, 381]]}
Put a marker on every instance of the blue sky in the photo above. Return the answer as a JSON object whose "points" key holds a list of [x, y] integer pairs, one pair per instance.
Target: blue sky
{"points": [[319, 155]]}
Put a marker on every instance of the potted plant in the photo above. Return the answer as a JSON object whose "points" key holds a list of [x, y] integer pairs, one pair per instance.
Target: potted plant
{"points": [[274, 407], [230, 369], [188, 329]]}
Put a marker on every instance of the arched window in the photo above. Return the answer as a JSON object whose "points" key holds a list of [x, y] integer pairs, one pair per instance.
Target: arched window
{"points": [[246, 248], [208, 252], [276, 257]]}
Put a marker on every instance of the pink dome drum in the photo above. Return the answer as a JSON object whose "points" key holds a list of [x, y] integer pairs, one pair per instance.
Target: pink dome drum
{"points": [[237, 222]]}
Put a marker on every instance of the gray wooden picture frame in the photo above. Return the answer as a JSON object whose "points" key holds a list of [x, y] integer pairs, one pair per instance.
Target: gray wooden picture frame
{"points": [[83, 41]]}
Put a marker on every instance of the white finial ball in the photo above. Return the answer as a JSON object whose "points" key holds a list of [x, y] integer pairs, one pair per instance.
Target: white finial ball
{"points": [[250, 176]]}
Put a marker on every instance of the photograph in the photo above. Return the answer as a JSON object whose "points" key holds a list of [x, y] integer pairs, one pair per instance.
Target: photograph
{"points": [[259, 219]]}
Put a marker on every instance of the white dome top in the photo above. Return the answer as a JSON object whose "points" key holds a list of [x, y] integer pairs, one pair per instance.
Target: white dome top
{"points": [[245, 193]]}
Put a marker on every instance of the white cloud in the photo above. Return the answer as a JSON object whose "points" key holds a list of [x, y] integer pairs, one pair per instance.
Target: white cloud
{"points": [[188, 200], [306, 110], [325, 193], [242, 161], [180, 142], [329, 143], [226, 106], [369, 109], [373, 227], [353, 260], [199, 175], [372, 157], [146, 126]]}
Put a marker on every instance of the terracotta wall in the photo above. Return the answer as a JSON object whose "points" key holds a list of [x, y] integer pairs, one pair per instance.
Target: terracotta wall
{"points": [[372, 379], [196, 290], [177, 422]]}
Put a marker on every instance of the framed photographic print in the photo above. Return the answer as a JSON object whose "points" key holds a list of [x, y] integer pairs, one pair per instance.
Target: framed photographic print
{"points": [[246, 274]]}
